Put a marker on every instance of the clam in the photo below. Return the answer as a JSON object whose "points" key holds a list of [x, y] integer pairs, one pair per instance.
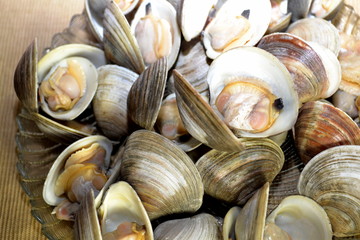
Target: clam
{"points": [[346, 102], [170, 125], [121, 215], [192, 16], [253, 102], [80, 167], [29, 74], [317, 30], [146, 94], [235, 176], [298, 9], [298, 217], [163, 176], [248, 222], [280, 18], [94, 11], [120, 45], [308, 66], [331, 178], [236, 23], [326, 9], [200, 226], [110, 102], [321, 126], [157, 32]]}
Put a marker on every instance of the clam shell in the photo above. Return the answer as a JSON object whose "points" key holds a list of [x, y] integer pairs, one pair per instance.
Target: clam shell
{"points": [[235, 176], [146, 94], [200, 120], [48, 191], [250, 222], [303, 63], [244, 62], [321, 126], [122, 204], [110, 102], [320, 12], [201, 226], [25, 78], [298, 9], [120, 45], [317, 30], [163, 176], [228, 230], [297, 213], [166, 11], [87, 226], [346, 102], [96, 57], [331, 178]]}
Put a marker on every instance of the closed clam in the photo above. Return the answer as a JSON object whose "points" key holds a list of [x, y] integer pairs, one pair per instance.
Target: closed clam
{"points": [[321, 126], [110, 101], [163, 176], [331, 178], [303, 62], [235, 176], [200, 226]]}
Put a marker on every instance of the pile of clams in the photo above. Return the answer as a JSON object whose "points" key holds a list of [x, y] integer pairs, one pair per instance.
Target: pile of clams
{"points": [[195, 119]]}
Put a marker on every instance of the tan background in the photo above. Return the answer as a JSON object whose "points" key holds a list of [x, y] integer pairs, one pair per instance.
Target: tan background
{"points": [[20, 22]]}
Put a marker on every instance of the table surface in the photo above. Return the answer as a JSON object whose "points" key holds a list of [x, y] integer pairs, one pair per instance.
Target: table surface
{"points": [[20, 22]]}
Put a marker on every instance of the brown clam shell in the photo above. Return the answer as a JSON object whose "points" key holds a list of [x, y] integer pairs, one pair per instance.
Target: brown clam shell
{"points": [[303, 63], [321, 126]]}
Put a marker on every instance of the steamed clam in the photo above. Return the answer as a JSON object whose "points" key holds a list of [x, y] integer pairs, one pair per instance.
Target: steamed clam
{"points": [[81, 167], [252, 102], [236, 23], [156, 30]]}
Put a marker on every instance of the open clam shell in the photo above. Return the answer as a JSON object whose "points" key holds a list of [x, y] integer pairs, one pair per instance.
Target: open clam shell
{"points": [[120, 45], [237, 87], [163, 176], [51, 182], [236, 23], [235, 176], [88, 57], [280, 18], [122, 205], [201, 226], [331, 178], [160, 15], [94, 10], [326, 9], [250, 220], [192, 16], [200, 120], [321, 126], [298, 217]]}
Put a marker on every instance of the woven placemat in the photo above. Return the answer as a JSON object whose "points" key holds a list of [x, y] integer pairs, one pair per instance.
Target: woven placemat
{"points": [[20, 22]]}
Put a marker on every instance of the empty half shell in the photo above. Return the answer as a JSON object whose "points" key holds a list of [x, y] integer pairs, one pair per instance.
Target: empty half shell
{"points": [[298, 217]]}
